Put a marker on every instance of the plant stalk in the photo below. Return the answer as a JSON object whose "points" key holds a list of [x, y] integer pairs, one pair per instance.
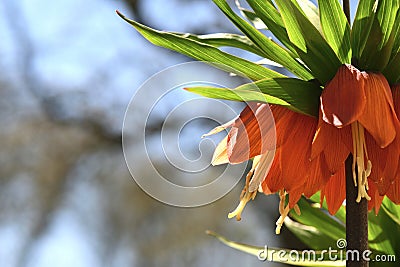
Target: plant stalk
{"points": [[356, 221]]}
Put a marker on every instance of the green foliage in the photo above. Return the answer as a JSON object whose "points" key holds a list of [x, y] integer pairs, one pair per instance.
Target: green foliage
{"points": [[298, 95]]}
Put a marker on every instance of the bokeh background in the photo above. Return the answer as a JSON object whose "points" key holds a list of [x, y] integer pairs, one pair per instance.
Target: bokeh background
{"points": [[68, 71]]}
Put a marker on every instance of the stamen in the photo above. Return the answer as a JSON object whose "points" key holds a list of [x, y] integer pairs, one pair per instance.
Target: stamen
{"points": [[281, 219], [246, 195], [360, 153], [243, 201]]}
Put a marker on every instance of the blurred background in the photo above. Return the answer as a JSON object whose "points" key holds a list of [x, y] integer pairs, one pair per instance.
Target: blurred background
{"points": [[68, 71]]}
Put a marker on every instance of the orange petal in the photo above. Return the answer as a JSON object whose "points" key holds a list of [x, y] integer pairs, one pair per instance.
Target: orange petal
{"points": [[272, 182], [296, 151], [379, 117], [376, 198], [329, 139], [252, 134], [343, 100], [294, 197], [384, 163], [335, 191], [317, 177], [282, 118], [394, 190]]}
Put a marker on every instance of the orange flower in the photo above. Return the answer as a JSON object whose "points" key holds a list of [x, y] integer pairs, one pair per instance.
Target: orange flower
{"points": [[357, 115], [361, 102]]}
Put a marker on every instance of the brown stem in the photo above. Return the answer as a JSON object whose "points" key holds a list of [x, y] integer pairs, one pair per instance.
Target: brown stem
{"points": [[356, 221]]}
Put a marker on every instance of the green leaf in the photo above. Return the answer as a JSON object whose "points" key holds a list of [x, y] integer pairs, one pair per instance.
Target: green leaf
{"points": [[311, 12], [392, 210], [319, 219], [204, 52], [298, 95], [392, 70], [267, 12], [236, 95], [285, 255], [312, 48], [251, 16], [224, 40], [310, 235], [396, 34], [302, 96], [378, 48], [272, 51], [336, 28], [362, 25], [340, 214], [380, 233]]}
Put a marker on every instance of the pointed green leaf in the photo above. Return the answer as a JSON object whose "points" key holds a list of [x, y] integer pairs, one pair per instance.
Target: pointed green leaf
{"points": [[392, 210], [362, 24], [224, 40], [302, 96], [237, 95], [311, 11], [305, 257], [204, 52], [271, 50], [378, 47], [340, 214], [310, 235], [396, 34], [267, 12], [312, 48], [380, 233], [251, 16], [336, 28], [392, 70], [297, 95], [317, 218]]}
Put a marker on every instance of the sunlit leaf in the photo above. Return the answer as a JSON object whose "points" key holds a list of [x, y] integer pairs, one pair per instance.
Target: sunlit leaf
{"points": [[251, 16], [271, 50], [204, 52], [316, 217], [340, 214], [310, 235], [236, 95], [380, 233], [300, 96], [311, 11], [312, 48], [378, 47], [224, 40], [267, 12], [287, 256], [362, 24], [336, 28]]}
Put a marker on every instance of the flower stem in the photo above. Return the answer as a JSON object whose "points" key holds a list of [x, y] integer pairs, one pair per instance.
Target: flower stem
{"points": [[356, 221]]}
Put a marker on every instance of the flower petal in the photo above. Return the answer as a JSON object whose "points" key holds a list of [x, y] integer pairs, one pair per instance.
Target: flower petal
{"points": [[384, 163], [394, 192], [343, 100], [220, 154], [272, 182], [379, 117], [335, 191], [252, 134], [329, 139], [376, 198], [296, 151]]}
